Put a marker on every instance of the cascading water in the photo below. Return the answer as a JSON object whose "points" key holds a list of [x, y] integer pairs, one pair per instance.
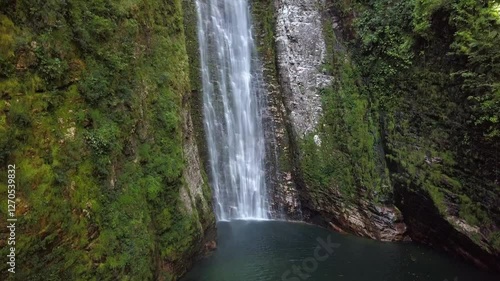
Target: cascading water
{"points": [[232, 110]]}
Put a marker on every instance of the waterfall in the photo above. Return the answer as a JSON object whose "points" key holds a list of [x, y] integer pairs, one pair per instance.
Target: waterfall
{"points": [[232, 110]]}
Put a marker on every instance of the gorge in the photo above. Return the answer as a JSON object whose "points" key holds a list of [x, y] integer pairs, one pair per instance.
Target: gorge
{"points": [[228, 139]]}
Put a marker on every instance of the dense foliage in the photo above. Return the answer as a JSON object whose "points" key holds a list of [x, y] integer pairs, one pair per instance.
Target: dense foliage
{"points": [[418, 83], [92, 95]]}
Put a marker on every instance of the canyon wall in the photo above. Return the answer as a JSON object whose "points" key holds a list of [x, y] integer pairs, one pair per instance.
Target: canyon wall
{"points": [[381, 122], [367, 146], [96, 115]]}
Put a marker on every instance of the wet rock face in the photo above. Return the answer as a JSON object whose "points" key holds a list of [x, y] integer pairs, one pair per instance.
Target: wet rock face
{"points": [[193, 190], [301, 51], [361, 217], [284, 198], [427, 225]]}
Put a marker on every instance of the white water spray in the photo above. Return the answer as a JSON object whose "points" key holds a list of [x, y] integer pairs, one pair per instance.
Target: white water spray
{"points": [[232, 110]]}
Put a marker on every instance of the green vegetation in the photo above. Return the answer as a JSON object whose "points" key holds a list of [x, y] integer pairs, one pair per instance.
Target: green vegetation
{"points": [[264, 23], [263, 13], [346, 157], [495, 239], [422, 75], [92, 95], [349, 156]]}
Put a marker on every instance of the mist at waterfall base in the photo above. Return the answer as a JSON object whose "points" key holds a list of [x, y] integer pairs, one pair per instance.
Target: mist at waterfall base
{"points": [[271, 250]]}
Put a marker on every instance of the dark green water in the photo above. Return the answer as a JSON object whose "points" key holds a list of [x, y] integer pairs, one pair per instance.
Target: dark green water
{"points": [[269, 250]]}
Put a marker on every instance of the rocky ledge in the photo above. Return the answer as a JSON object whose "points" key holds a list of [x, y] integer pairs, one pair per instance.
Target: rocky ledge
{"points": [[359, 216], [426, 224]]}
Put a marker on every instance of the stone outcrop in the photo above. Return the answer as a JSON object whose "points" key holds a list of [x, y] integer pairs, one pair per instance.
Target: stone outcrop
{"points": [[301, 54], [285, 201], [301, 51], [361, 217], [427, 225]]}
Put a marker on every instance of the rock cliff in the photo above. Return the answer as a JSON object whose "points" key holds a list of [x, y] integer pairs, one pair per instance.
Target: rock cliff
{"points": [[301, 61], [354, 148], [96, 116]]}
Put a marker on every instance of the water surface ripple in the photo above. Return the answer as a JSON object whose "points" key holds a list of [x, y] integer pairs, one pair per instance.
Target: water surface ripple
{"points": [[269, 250]]}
